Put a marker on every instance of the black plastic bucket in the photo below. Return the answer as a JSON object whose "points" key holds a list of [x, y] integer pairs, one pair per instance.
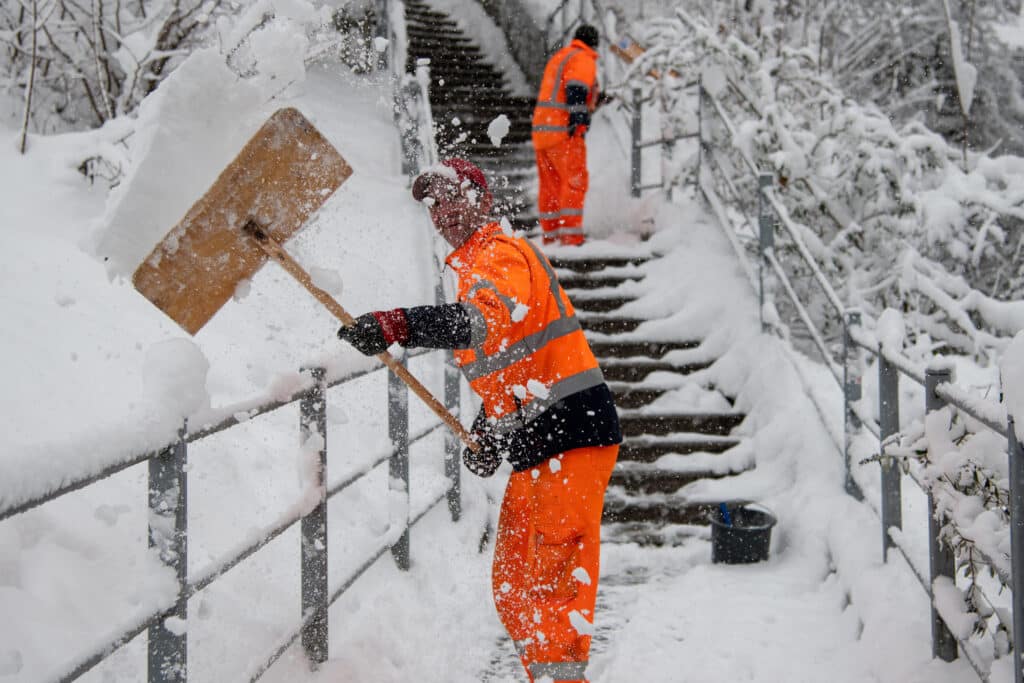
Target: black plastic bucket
{"points": [[746, 539]]}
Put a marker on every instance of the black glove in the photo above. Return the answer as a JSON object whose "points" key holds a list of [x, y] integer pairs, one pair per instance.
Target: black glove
{"points": [[484, 462], [579, 121], [373, 333]]}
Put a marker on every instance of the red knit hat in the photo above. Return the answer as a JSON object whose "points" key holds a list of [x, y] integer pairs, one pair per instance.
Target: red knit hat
{"points": [[464, 170]]}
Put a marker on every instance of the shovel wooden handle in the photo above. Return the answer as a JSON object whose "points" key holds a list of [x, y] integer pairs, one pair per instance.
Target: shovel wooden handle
{"points": [[275, 251]]}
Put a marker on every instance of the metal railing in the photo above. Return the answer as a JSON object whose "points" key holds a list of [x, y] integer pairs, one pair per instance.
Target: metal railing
{"points": [[714, 175], [168, 480]]}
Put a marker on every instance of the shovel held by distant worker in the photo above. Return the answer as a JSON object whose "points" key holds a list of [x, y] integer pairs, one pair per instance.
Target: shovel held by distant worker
{"points": [[264, 196]]}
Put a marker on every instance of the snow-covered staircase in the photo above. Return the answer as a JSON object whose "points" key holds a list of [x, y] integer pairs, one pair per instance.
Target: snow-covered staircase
{"points": [[666, 447], [467, 94]]}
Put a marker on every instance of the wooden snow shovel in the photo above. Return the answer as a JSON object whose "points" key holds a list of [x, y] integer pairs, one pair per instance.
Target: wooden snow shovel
{"points": [[282, 175]]}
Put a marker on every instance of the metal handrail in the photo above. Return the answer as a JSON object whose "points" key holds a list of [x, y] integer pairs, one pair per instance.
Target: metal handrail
{"points": [[986, 413], [293, 635], [20, 506]]}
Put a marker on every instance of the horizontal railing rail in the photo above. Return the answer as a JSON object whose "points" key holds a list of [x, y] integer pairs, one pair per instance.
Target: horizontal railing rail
{"points": [[204, 577]]}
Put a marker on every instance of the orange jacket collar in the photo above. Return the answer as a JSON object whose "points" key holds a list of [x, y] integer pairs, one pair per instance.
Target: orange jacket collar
{"points": [[583, 46], [465, 252]]}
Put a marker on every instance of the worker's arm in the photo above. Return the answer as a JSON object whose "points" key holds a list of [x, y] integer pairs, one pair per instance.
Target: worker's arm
{"points": [[576, 95], [480, 321], [436, 327]]}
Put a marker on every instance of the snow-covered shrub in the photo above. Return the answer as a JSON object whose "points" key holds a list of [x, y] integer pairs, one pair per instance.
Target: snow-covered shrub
{"points": [[887, 212]]}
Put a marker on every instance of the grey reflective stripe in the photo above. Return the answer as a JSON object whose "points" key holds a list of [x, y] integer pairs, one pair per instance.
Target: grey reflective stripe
{"points": [[558, 75], [565, 230], [578, 107], [556, 392], [572, 212], [552, 105], [559, 671], [551, 129], [551, 215], [521, 349], [477, 326], [486, 284], [552, 280]]}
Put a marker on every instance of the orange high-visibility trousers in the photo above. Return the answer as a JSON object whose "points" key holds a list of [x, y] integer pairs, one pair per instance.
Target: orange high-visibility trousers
{"points": [[547, 558], [562, 185]]}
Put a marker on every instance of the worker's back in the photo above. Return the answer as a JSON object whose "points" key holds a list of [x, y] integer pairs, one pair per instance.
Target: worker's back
{"points": [[574, 63]]}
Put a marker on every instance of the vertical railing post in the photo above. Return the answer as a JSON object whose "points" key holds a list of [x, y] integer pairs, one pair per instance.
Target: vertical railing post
{"points": [[766, 222], [382, 30], [637, 130], [1016, 455], [889, 425], [408, 118], [700, 129], [851, 394], [452, 445], [168, 533], [398, 465], [941, 559], [313, 552]]}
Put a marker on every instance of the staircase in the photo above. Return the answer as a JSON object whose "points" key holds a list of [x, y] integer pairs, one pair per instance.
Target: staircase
{"points": [[667, 443], [466, 95]]}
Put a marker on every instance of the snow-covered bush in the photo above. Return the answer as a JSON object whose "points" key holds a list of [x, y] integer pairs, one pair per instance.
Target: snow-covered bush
{"points": [[887, 211], [78, 65]]}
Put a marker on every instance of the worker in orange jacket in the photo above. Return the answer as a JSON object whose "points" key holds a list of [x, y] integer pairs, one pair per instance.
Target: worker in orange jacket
{"points": [[568, 96], [545, 408]]}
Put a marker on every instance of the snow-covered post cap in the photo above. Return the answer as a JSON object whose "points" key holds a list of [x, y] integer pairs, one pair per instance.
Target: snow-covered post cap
{"points": [[1011, 372]]}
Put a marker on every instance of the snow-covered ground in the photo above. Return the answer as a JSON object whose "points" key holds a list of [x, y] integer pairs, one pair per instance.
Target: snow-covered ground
{"points": [[94, 372]]}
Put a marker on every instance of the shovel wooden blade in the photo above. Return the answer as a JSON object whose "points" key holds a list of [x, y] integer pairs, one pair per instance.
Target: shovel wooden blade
{"points": [[282, 175]]}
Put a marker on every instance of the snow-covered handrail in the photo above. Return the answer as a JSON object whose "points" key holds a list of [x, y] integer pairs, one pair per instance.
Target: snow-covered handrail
{"points": [[787, 223], [832, 366], [168, 477]]}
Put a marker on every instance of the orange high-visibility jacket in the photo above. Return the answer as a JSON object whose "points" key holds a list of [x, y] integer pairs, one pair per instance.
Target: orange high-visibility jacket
{"points": [[528, 358], [575, 64]]}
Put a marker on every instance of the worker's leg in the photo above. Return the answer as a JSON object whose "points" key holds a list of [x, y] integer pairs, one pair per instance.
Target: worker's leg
{"points": [[512, 548], [547, 564], [548, 188], [570, 160]]}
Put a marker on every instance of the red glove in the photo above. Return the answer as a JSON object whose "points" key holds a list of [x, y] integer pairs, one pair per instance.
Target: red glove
{"points": [[372, 333]]}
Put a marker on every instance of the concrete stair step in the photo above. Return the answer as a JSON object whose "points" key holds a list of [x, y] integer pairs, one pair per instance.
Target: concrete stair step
{"points": [[609, 324], [425, 19], [587, 281], [440, 35], [606, 305], [629, 395], [648, 449], [651, 534], [719, 424], [637, 510], [611, 348], [636, 370], [651, 480], [591, 265], [437, 50]]}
